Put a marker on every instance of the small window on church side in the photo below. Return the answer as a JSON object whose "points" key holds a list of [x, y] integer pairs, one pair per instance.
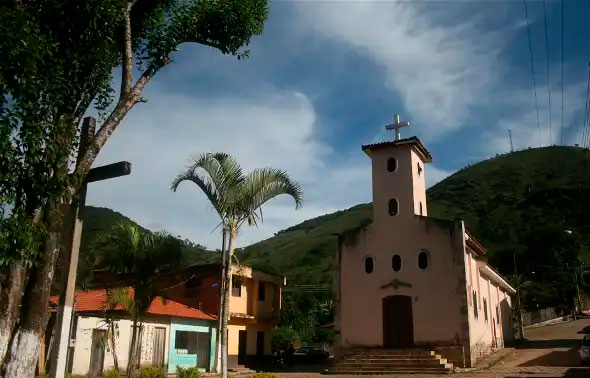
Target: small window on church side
{"points": [[393, 207], [485, 309], [421, 213], [419, 169], [396, 262], [497, 315], [391, 164], [423, 260], [475, 313], [369, 264]]}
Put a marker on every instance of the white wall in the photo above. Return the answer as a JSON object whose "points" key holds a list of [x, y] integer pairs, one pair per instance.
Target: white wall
{"points": [[82, 350]]}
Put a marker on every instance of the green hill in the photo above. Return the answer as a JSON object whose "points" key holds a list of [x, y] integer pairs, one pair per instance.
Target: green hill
{"points": [[502, 200]]}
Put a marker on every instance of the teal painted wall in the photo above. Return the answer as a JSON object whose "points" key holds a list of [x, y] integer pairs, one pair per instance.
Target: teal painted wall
{"points": [[188, 360]]}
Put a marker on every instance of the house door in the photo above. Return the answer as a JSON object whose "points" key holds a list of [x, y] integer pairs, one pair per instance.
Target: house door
{"points": [[242, 347], [398, 323], [260, 343], [203, 350], [97, 353], [159, 346]]}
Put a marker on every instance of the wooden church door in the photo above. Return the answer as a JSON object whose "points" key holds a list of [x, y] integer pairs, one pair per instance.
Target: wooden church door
{"points": [[398, 323]]}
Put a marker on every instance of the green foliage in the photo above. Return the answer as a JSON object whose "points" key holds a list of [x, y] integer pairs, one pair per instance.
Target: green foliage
{"points": [[56, 63], [265, 375], [237, 197], [190, 372], [302, 314], [151, 372], [112, 373], [126, 248], [284, 336]]}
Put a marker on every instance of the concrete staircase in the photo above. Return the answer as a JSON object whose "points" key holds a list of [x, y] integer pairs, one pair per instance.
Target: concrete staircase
{"points": [[390, 361]]}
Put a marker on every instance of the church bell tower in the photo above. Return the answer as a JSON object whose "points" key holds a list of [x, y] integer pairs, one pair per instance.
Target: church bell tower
{"points": [[398, 176]]}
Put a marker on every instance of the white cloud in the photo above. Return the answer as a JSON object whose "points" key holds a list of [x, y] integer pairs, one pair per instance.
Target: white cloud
{"points": [[435, 175], [274, 128], [440, 68], [522, 121]]}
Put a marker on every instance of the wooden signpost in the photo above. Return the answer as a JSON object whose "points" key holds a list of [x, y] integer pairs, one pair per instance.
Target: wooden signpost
{"points": [[76, 212]]}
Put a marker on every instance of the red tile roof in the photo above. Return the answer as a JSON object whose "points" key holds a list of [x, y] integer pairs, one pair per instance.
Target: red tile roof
{"points": [[96, 300]]}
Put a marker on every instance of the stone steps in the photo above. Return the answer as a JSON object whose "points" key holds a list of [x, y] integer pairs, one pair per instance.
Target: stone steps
{"points": [[391, 361]]}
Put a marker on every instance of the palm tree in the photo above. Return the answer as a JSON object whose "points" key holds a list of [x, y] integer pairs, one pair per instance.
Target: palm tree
{"points": [[128, 249], [238, 199]]}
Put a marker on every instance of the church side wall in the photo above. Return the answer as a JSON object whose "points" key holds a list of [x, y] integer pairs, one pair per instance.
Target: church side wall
{"points": [[491, 322], [437, 292]]}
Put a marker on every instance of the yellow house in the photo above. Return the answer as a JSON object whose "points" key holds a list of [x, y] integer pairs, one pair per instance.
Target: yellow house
{"points": [[254, 306]]}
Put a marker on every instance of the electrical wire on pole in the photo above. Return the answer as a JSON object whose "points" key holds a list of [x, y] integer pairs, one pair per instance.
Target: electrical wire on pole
{"points": [[548, 69], [528, 29], [562, 48]]}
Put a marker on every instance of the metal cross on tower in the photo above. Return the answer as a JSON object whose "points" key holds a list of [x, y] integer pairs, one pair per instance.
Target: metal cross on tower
{"points": [[396, 125]]}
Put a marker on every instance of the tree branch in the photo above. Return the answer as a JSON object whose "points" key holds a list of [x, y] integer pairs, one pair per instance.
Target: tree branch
{"points": [[202, 42], [127, 64], [108, 127]]}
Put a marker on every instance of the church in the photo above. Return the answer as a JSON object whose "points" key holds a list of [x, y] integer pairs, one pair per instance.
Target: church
{"points": [[410, 281]]}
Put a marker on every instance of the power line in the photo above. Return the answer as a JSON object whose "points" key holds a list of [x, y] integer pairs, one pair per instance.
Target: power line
{"points": [[561, 134], [548, 76], [526, 12]]}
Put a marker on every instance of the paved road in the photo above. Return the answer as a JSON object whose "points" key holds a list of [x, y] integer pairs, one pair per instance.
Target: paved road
{"points": [[551, 351]]}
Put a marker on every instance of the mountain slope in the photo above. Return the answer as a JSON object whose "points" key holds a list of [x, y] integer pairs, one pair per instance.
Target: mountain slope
{"points": [[502, 200]]}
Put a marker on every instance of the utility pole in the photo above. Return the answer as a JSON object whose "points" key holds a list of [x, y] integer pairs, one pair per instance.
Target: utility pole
{"points": [[518, 308], [510, 136]]}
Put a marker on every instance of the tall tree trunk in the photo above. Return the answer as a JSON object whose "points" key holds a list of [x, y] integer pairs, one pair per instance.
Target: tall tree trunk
{"points": [[25, 344], [221, 296], [113, 343], [225, 317], [10, 300], [132, 360]]}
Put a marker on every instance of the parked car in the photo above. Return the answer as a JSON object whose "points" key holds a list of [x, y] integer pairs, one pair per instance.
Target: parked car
{"points": [[585, 350], [309, 354]]}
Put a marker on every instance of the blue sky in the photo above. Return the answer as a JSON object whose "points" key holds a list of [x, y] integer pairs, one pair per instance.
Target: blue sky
{"points": [[324, 78]]}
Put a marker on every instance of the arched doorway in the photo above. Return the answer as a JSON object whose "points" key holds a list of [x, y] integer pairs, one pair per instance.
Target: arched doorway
{"points": [[398, 323]]}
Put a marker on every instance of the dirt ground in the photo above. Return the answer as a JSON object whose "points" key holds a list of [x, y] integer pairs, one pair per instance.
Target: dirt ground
{"points": [[550, 351]]}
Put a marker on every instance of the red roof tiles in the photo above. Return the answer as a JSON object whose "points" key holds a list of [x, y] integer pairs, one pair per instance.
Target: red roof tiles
{"points": [[96, 300]]}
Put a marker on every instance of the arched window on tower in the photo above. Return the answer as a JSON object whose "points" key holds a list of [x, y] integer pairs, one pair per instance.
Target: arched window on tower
{"points": [[419, 169], [421, 213], [396, 262], [369, 264], [423, 260], [393, 207], [391, 164]]}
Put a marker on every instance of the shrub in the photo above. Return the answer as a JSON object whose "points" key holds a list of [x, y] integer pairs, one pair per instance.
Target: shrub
{"points": [[265, 375], [113, 374], [151, 372], [191, 372]]}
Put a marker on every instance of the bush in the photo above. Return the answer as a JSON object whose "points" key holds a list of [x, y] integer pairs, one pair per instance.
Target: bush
{"points": [[151, 372], [191, 372], [113, 374], [265, 375]]}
